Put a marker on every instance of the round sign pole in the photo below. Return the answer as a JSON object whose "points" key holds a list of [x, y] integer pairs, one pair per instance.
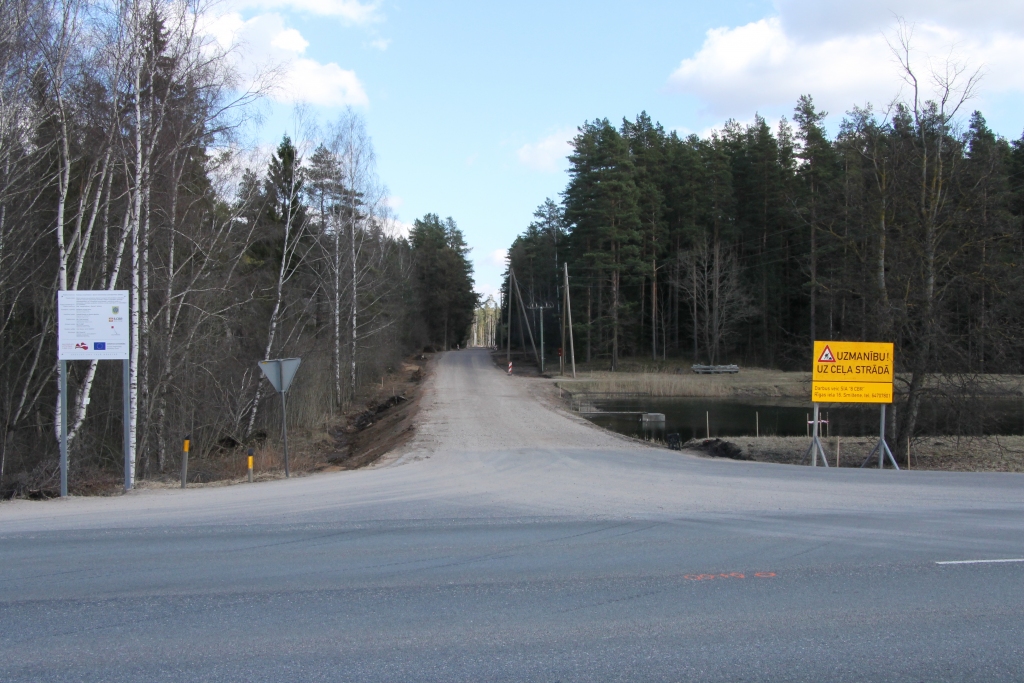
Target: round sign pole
{"points": [[63, 429]]}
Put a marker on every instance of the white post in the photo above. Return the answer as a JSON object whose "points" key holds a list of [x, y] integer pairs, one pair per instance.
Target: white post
{"points": [[881, 441], [814, 444], [63, 429]]}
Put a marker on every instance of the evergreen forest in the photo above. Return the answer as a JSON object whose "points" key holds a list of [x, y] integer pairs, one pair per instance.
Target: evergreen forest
{"points": [[746, 245]]}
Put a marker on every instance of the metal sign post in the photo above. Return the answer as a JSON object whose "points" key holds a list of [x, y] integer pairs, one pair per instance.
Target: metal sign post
{"points": [[281, 372], [816, 448], [63, 429], [853, 372], [882, 448], [93, 325]]}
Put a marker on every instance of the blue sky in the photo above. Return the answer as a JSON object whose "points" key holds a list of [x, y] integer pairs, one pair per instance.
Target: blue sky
{"points": [[470, 104]]}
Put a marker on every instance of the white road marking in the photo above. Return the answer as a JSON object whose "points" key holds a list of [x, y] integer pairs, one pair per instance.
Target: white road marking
{"points": [[1018, 559]]}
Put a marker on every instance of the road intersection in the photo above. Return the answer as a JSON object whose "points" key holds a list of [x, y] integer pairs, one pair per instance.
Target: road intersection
{"points": [[511, 541]]}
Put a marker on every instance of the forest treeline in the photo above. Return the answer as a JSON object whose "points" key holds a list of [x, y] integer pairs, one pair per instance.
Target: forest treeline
{"points": [[121, 168], [748, 244]]}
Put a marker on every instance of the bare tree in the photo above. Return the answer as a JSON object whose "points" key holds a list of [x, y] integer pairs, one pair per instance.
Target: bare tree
{"points": [[716, 292], [937, 165]]}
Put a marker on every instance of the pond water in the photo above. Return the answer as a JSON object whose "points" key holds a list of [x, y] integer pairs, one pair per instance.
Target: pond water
{"points": [[695, 417]]}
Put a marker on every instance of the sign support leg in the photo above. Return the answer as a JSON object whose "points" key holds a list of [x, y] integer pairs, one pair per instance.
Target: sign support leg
{"points": [[127, 438], [63, 429], [882, 448], [881, 440], [816, 448], [284, 430]]}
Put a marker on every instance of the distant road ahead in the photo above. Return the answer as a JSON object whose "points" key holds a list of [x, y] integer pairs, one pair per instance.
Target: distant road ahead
{"points": [[511, 542]]}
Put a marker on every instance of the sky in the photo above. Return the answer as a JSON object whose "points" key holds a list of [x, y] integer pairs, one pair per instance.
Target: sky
{"points": [[471, 105]]}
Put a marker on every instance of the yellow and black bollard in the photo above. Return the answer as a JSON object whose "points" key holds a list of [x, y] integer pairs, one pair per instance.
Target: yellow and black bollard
{"points": [[250, 465], [184, 460]]}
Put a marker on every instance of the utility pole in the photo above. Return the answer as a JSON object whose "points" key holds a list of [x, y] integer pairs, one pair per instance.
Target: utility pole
{"points": [[508, 325], [541, 309], [567, 313], [522, 311]]}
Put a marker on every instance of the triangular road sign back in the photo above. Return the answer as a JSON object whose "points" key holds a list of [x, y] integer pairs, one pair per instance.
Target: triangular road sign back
{"points": [[826, 356], [280, 372]]}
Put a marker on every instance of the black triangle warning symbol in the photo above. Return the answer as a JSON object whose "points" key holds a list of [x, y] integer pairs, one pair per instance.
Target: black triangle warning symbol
{"points": [[826, 356]]}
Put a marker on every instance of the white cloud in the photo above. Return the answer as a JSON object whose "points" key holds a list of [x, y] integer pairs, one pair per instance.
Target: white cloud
{"points": [[223, 28], [401, 228], [264, 42], [323, 84], [290, 40], [485, 290], [838, 53], [547, 155], [350, 12], [499, 257], [380, 43], [819, 19]]}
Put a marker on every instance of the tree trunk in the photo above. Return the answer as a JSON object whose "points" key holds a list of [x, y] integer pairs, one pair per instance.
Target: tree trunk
{"points": [[615, 309], [354, 302], [654, 309]]}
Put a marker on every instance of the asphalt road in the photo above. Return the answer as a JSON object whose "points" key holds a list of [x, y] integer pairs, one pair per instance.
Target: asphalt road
{"points": [[487, 551]]}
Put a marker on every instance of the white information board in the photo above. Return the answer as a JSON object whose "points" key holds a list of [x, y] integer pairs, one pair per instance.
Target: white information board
{"points": [[92, 324]]}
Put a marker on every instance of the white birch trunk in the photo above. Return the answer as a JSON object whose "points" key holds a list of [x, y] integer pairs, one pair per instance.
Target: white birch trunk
{"points": [[337, 316], [64, 180], [281, 277], [354, 302], [133, 371]]}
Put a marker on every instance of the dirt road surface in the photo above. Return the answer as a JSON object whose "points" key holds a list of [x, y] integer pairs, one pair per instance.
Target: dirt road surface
{"points": [[510, 541]]}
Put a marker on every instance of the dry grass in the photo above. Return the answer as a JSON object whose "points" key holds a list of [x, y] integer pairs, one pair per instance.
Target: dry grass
{"points": [[317, 449], [748, 382], [982, 454], [755, 383], [305, 454], [310, 449]]}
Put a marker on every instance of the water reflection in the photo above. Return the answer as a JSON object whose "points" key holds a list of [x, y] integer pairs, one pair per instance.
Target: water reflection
{"points": [[702, 417]]}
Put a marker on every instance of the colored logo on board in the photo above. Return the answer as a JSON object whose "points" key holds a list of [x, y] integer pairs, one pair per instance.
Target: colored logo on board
{"points": [[826, 356], [115, 309], [82, 345], [99, 346]]}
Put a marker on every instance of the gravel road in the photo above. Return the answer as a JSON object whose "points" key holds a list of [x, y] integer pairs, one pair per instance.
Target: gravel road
{"points": [[511, 541]]}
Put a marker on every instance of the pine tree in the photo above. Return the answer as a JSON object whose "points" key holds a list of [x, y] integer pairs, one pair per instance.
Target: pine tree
{"points": [[816, 174], [601, 208], [445, 277]]}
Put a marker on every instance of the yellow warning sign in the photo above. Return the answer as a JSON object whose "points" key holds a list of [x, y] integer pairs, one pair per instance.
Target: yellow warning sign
{"points": [[852, 372], [836, 361], [851, 392]]}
